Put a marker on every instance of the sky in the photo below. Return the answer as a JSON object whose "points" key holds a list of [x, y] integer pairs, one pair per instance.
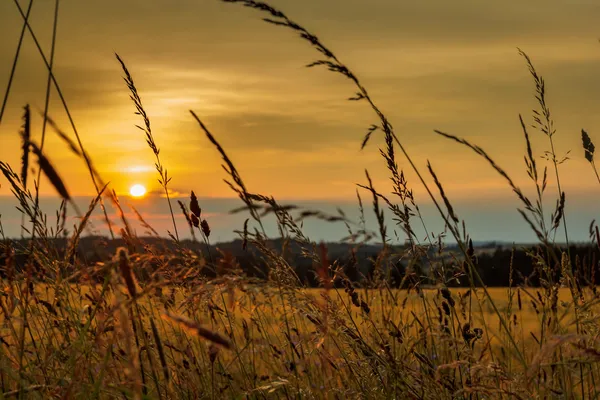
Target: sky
{"points": [[452, 66]]}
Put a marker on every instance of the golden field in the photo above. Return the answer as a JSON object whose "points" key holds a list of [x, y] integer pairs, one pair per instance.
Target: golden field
{"points": [[174, 321]]}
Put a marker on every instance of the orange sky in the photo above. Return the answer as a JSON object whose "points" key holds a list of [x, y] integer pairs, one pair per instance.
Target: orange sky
{"points": [[430, 65]]}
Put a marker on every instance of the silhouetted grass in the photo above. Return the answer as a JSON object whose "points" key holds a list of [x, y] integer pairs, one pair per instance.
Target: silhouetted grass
{"points": [[154, 321]]}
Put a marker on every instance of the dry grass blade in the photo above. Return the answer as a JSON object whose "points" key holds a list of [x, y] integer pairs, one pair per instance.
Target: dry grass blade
{"points": [[530, 159], [241, 190], [117, 203], [188, 218], [185, 213], [498, 169], [50, 172], [367, 137], [161, 351], [198, 329], [126, 272], [28, 389], [443, 194], [376, 209], [25, 139], [527, 203], [15, 59], [144, 223], [82, 224], [61, 134]]}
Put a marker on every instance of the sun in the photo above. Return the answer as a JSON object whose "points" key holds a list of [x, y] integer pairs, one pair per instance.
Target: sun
{"points": [[137, 190]]}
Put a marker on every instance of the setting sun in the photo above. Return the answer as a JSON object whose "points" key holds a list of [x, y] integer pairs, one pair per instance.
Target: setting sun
{"points": [[137, 190]]}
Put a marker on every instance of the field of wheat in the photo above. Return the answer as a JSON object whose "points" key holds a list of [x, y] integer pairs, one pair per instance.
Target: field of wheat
{"points": [[231, 337]]}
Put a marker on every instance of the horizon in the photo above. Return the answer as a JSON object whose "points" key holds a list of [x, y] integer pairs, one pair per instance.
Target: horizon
{"points": [[217, 212]]}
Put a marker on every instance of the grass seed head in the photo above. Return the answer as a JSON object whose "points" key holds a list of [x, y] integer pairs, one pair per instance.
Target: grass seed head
{"points": [[199, 330], [194, 205], [588, 146], [126, 272]]}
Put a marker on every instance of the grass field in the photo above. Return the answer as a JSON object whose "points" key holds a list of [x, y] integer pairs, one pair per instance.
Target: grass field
{"points": [[228, 338], [150, 323]]}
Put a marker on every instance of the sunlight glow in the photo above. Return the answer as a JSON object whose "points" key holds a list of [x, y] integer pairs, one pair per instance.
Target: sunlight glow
{"points": [[137, 190], [138, 169]]}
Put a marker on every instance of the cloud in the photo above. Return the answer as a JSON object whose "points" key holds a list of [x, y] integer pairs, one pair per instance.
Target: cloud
{"points": [[428, 64]]}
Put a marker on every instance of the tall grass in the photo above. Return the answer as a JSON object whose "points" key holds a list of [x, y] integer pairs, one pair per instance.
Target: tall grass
{"points": [[171, 322], [164, 178]]}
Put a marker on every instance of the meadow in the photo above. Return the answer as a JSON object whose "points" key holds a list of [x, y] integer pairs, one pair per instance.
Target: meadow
{"points": [[167, 322]]}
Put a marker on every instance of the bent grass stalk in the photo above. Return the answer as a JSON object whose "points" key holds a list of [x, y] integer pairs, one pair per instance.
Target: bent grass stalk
{"points": [[15, 61], [68, 112], [162, 171], [332, 63], [46, 106]]}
